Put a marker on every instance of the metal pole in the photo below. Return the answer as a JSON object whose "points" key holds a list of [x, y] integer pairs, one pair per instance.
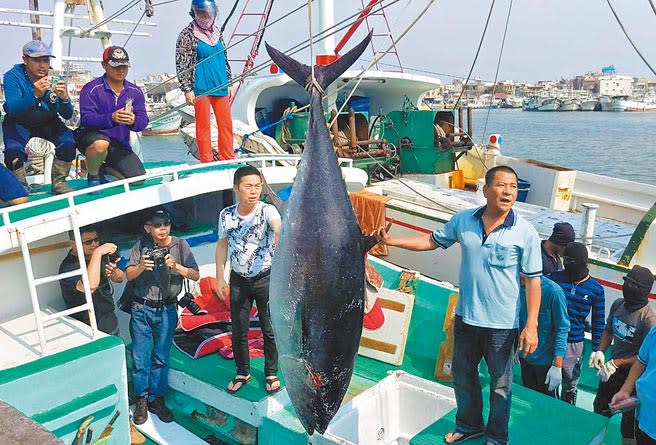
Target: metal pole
{"points": [[326, 20], [35, 19], [57, 28], [587, 226]]}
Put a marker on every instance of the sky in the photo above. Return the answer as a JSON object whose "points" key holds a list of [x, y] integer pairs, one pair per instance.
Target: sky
{"points": [[546, 40]]}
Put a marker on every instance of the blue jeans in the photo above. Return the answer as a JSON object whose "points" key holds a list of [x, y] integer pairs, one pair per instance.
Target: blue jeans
{"points": [[152, 332], [496, 346], [16, 137]]}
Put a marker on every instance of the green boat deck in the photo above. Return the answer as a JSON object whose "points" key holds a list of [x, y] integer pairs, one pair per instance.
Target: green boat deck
{"points": [[535, 418]]}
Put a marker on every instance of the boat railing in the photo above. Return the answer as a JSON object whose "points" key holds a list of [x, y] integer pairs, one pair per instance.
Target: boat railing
{"points": [[175, 173]]}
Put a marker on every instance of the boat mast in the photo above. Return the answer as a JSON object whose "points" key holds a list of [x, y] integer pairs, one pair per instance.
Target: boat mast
{"points": [[35, 19], [326, 47]]}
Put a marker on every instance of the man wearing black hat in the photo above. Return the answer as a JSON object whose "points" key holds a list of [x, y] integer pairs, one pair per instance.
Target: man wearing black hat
{"points": [[553, 248], [158, 265], [629, 320], [35, 105], [110, 108], [584, 295]]}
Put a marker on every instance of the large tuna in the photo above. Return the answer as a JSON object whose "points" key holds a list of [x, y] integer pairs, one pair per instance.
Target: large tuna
{"points": [[317, 277]]}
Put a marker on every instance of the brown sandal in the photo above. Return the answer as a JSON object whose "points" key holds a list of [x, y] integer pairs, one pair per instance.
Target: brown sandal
{"points": [[238, 383], [272, 384]]}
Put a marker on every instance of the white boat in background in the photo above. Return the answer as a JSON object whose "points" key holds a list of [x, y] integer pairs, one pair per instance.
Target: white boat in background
{"points": [[164, 124], [606, 103], [621, 103], [590, 104], [569, 105], [549, 104]]}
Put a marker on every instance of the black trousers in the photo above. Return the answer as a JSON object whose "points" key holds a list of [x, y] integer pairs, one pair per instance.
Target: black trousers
{"points": [[643, 439], [605, 393], [243, 292], [533, 376]]}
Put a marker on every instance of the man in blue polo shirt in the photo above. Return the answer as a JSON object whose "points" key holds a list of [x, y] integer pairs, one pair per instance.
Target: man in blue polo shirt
{"points": [[35, 105], [111, 107], [497, 244]]}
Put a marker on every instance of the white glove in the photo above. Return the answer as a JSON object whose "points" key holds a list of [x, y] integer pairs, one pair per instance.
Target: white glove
{"points": [[554, 378], [606, 371], [597, 359]]}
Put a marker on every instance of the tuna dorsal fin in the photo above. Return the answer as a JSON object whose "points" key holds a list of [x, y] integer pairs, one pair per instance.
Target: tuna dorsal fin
{"points": [[325, 75]]}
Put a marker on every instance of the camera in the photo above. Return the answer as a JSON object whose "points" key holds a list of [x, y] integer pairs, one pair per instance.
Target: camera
{"points": [[157, 255], [187, 301], [113, 257]]}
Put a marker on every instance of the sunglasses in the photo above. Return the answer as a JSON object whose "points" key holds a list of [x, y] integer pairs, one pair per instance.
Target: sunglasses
{"points": [[160, 224], [91, 241]]}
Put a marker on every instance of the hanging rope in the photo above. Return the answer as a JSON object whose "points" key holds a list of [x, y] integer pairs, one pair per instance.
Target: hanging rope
{"points": [[619, 22], [496, 74], [480, 43], [313, 80]]}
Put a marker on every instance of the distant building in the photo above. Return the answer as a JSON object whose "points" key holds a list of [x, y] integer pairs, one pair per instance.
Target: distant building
{"points": [[615, 85]]}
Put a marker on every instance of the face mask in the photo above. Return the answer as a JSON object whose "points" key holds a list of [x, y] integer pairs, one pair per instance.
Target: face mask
{"points": [[205, 19], [635, 297]]}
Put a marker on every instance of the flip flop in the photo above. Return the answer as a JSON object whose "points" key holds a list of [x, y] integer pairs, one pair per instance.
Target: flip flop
{"points": [[270, 382], [463, 436], [238, 383]]}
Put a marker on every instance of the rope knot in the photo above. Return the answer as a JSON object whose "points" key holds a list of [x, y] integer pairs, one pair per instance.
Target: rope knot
{"points": [[313, 83]]}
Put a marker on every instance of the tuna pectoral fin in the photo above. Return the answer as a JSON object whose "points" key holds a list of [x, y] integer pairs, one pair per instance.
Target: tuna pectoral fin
{"points": [[325, 75], [273, 197], [368, 242]]}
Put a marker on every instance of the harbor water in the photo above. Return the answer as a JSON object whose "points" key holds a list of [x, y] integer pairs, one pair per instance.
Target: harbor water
{"points": [[621, 145]]}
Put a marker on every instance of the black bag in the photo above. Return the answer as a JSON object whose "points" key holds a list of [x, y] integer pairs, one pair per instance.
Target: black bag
{"points": [[125, 302]]}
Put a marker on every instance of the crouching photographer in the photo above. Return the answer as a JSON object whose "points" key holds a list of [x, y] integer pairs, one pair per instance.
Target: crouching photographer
{"points": [[158, 265], [101, 261]]}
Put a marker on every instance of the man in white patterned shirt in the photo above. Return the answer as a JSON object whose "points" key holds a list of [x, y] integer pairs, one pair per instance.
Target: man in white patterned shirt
{"points": [[248, 233]]}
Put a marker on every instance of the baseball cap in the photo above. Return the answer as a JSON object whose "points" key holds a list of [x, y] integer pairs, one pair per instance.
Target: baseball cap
{"points": [[116, 56], [563, 234], [641, 277], [36, 48], [159, 216]]}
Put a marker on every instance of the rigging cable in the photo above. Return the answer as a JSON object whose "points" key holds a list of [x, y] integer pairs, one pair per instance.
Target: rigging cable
{"points": [[464, 86], [232, 11], [653, 8], [629, 38], [134, 28], [496, 74], [118, 13]]}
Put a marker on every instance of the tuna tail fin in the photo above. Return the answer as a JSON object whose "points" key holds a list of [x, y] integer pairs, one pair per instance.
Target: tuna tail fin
{"points": [[325, 75]]}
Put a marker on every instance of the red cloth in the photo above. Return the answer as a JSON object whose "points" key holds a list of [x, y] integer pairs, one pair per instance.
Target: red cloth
{"points": [[210, 330]]}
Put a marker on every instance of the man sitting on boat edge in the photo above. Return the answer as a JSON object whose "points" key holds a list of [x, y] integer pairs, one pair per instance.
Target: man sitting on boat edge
{"points": [[111, 107], [34, 107]]}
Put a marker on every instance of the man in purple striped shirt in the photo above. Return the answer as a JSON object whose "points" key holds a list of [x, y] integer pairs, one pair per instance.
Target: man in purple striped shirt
{"points": [[111, 107]]}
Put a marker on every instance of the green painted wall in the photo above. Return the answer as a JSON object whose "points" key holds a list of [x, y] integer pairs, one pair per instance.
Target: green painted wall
{"points": [[61, 390]]}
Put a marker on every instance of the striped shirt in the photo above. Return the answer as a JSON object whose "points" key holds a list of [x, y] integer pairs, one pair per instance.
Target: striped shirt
{"points": [[581, 299]]}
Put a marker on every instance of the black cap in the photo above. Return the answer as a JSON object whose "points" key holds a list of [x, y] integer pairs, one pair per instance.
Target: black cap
{"points": [[575, 252], [159, 216], [562, 234], [641, 277], [116, 56]]}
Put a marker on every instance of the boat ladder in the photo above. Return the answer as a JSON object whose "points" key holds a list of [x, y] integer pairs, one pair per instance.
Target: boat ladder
{"points": [[33, 282]]}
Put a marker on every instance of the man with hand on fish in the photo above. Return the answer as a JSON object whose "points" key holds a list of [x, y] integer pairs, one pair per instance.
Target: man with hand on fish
{"points": [[248, 234], [497, 244]]}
